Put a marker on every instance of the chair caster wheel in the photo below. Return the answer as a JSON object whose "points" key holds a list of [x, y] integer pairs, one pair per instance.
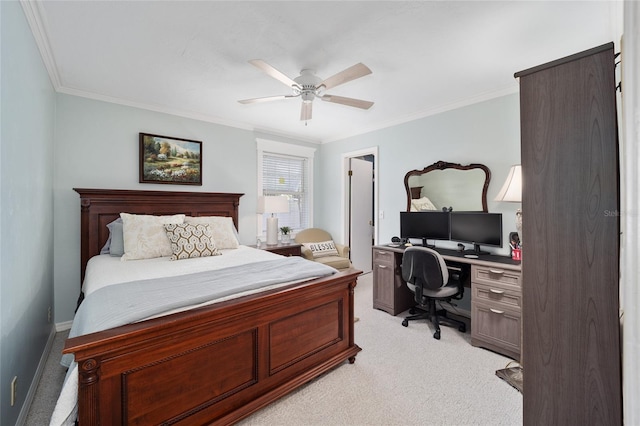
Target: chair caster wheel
{"points": [[462, 328], [436, 335], [405, 323], [412, 311]]}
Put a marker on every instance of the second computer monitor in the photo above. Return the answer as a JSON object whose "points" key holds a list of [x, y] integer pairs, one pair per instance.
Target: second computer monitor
{"points": [[425, 225], [477, 228]]}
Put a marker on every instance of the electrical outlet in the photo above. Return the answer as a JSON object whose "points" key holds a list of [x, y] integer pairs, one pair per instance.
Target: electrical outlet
{"points": [[49, 314], [14, 389]]}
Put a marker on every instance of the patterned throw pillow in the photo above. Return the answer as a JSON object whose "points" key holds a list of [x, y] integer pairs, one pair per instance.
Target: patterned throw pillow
{"points": [[188, 241], [145, 237], [323, 249]]}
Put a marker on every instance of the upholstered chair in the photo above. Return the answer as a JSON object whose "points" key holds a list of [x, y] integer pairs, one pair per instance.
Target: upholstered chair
{"points": [[430, 280], [318, 245]]}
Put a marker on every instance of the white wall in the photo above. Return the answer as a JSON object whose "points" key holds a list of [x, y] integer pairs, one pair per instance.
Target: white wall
{"points": [[487, 133], [97, 147], [26, 218]]}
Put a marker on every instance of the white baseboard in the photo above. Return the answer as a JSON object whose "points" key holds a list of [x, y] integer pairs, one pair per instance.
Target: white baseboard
{"points": [[63, 326], [24, 412]]}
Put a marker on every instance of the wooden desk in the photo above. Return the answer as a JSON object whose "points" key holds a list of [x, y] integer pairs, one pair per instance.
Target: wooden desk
{"points": [[496, 296]]}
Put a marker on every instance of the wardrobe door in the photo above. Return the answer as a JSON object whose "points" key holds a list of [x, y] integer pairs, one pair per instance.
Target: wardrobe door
{"points": [[571, 347]]}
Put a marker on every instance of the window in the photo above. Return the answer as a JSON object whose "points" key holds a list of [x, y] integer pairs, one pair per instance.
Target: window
{"points": [[287, 170]]}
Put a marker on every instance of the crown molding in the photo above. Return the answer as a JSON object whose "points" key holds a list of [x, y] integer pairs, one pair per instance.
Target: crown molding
{"points": [[179, 113], [431, 111], [32, 11]]}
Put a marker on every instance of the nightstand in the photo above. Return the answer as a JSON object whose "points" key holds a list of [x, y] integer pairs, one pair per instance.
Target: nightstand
{"points": [[291, 249]]}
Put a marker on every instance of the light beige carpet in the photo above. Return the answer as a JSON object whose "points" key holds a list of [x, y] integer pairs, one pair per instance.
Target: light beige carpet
{"points": [[403, 376]]}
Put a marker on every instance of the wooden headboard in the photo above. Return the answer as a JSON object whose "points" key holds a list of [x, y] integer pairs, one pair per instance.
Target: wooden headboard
{"points": [[99, 207]]}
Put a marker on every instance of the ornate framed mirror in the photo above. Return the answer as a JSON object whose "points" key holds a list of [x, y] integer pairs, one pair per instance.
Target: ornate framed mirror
{"points": [[448, 185]]}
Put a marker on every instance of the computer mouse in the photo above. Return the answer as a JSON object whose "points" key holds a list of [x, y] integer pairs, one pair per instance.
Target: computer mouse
{"points": [[408, 244]]}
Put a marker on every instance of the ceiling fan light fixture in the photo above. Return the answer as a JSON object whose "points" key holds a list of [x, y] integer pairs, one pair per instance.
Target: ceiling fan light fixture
{"points": [[307, 95], [309, 86]]}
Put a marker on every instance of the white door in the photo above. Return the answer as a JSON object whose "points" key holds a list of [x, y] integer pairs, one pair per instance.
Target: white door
{"points": [[361, 213]]}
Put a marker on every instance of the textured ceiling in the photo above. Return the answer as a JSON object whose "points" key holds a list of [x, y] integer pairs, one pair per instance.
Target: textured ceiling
{"points": [[191, 58]]}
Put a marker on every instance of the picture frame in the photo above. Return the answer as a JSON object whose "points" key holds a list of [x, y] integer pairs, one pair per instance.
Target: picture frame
{"points": [[170, 160]]}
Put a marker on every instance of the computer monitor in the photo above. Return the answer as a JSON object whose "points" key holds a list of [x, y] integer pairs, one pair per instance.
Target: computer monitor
{"points": [[477, 228], [426, 225]]}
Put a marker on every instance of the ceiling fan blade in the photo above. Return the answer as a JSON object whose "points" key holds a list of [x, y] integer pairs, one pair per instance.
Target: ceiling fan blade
{"points": [[305, 111], [269, 70], [351, 73], [265, 99], [358, 103]]}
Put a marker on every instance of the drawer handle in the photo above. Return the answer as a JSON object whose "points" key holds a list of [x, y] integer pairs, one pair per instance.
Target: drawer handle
{"points": [[494, 291], [496, 271], [382, 266], [383, 252], [495, 311]]}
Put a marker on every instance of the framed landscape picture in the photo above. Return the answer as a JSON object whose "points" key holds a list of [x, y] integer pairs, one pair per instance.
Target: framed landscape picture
{"points": [[165, 159]]}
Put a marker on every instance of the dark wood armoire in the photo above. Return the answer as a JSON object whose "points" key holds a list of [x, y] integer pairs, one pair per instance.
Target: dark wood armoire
{"points": [[570, 206]]}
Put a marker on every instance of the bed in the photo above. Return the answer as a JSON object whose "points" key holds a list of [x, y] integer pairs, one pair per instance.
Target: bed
{"points": [[214, 364]]}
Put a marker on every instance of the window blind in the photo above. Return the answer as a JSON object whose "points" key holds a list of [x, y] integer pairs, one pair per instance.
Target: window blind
{"points": [[287, 176]]}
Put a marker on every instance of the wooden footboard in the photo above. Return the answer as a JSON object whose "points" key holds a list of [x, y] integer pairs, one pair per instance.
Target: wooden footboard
{"points": [[216, 364]]}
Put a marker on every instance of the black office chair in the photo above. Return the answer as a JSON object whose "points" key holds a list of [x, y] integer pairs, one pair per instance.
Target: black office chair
{"points": [[428, 277]]}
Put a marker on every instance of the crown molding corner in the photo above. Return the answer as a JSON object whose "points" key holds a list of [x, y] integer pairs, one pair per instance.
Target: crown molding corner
{"points": [[32, 11]]}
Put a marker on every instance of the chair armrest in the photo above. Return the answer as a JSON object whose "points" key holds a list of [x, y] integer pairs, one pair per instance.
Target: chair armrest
{"points": [[343, 250], [306, 253]]}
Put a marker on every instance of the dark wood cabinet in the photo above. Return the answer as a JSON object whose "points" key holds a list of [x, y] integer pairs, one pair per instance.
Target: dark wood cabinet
{"points": [[292, 249], [570, 205]]}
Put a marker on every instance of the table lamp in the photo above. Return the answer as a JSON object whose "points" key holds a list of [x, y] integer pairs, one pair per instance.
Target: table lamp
{"points": [[512, 192], [272, 204]]}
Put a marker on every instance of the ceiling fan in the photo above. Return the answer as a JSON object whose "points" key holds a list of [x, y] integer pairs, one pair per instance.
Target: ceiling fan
{"points": [[309, 86]]}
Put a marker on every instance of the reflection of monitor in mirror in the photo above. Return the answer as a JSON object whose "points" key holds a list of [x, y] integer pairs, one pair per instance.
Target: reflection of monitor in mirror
{"points": [[428, 225], [477, 228]]}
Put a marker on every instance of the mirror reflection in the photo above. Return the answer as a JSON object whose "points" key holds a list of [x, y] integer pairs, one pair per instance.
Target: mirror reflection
{"points": [[448, 185]]}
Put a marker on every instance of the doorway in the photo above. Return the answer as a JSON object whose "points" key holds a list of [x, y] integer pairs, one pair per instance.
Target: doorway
{"points": [[360, 205]]}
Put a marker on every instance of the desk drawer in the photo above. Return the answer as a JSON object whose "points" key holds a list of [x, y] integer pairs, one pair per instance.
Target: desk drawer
{"points": [[497, 296], [383, 256], [496, 329], [495, 275]]}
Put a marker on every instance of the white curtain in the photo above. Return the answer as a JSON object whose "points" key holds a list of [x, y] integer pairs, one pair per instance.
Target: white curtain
{"points": [[630, 214]]}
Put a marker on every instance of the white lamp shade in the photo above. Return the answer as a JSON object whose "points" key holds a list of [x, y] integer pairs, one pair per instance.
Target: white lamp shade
{"points": [[273, 204], [512, 188]]}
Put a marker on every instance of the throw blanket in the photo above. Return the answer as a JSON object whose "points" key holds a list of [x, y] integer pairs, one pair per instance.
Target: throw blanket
{"points": [[125, 303]]}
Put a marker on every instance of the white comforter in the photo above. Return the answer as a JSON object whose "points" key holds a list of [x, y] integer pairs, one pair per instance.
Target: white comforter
{"points": [[104, 270]]}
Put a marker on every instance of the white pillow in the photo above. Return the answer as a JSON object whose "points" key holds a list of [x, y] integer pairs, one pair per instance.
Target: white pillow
{"points": [[222, 229], [145, 237], [322, 249], [422, 204]]}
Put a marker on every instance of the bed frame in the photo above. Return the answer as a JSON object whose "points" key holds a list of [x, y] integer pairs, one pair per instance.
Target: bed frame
{"points": [[211, 365]]}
